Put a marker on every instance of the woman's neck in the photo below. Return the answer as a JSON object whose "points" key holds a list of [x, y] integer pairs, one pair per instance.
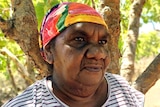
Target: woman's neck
{"points": [[85, 96]]}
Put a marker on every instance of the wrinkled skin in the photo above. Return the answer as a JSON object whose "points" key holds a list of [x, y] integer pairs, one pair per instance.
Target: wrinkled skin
{"points": [[80, 58]]}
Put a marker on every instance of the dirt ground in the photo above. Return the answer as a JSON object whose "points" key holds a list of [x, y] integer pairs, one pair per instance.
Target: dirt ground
{"points": [[152, 97]]}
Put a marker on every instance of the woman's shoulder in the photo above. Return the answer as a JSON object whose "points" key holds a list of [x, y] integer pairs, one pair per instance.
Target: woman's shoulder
{"points": [[119, 86]]}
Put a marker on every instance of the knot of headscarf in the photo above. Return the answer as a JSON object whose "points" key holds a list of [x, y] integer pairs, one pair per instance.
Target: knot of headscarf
{"points": [[63, 15]]}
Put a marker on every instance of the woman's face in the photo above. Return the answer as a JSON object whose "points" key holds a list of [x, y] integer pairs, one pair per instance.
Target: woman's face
{"points": [[81, 55]]}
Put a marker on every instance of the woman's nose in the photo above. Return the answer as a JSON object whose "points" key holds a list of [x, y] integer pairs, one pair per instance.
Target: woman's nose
{"points": [[97, 52]]}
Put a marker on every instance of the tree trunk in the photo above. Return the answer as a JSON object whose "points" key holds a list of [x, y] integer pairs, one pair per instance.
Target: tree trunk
{"points": [[149, 77], [127, 67], [111, 13], [23, 29]]}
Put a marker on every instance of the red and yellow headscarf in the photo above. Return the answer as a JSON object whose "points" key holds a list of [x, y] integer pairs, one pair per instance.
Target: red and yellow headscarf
{"points": [[63, 15]]}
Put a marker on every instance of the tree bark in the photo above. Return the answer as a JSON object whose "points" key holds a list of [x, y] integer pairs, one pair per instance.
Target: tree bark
{"points": [[149, 77], [127, 67], [111, 13], [23, 29], [30, 69]]}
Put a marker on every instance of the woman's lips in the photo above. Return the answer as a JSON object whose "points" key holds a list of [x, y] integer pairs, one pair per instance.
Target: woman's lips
{"points": [[92, 68]]}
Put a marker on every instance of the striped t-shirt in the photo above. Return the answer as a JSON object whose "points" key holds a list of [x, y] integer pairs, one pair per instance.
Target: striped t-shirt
{"points": [[120, 94]]}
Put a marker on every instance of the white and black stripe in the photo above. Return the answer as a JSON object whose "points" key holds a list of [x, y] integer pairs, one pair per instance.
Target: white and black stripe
{"points": [[121, 94]]}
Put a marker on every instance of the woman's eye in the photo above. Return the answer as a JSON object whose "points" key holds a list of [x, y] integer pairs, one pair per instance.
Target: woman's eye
{"points": [[78, 42], [103, 42], [80, 39]]}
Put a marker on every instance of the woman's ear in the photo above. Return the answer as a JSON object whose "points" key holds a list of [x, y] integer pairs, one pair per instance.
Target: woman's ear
{"points": [[48, 54]]}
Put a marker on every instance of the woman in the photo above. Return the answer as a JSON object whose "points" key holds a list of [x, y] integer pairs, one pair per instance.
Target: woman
{"points": [[74, 42]]}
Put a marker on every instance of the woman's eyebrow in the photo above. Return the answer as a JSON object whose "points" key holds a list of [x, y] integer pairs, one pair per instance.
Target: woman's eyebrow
{"points": [[104, 35], [79, 31]]}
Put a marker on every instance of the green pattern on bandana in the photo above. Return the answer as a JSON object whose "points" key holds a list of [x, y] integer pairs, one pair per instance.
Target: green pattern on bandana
{"points": [[60, 24]]}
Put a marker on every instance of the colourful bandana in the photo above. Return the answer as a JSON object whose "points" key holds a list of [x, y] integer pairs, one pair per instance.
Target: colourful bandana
{"points": [[64, 15]]}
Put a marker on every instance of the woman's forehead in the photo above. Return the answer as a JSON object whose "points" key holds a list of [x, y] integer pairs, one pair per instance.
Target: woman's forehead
{"points": [[88, 27]]}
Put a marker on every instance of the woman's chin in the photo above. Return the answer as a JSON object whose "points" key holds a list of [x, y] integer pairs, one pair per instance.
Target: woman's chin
{"points": [[90, 78]]}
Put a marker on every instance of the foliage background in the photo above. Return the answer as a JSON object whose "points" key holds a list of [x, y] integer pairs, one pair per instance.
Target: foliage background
{"points": [[148, 42]]}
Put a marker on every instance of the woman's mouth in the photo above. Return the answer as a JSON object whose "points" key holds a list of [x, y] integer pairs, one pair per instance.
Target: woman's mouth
{"points": [[92, 68]]}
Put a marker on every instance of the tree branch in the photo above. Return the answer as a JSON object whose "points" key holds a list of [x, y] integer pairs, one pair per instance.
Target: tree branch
{"points": [[22, 70], [14, 58], [11, 76], [149, 77], [93, 4], [128, 57]]}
